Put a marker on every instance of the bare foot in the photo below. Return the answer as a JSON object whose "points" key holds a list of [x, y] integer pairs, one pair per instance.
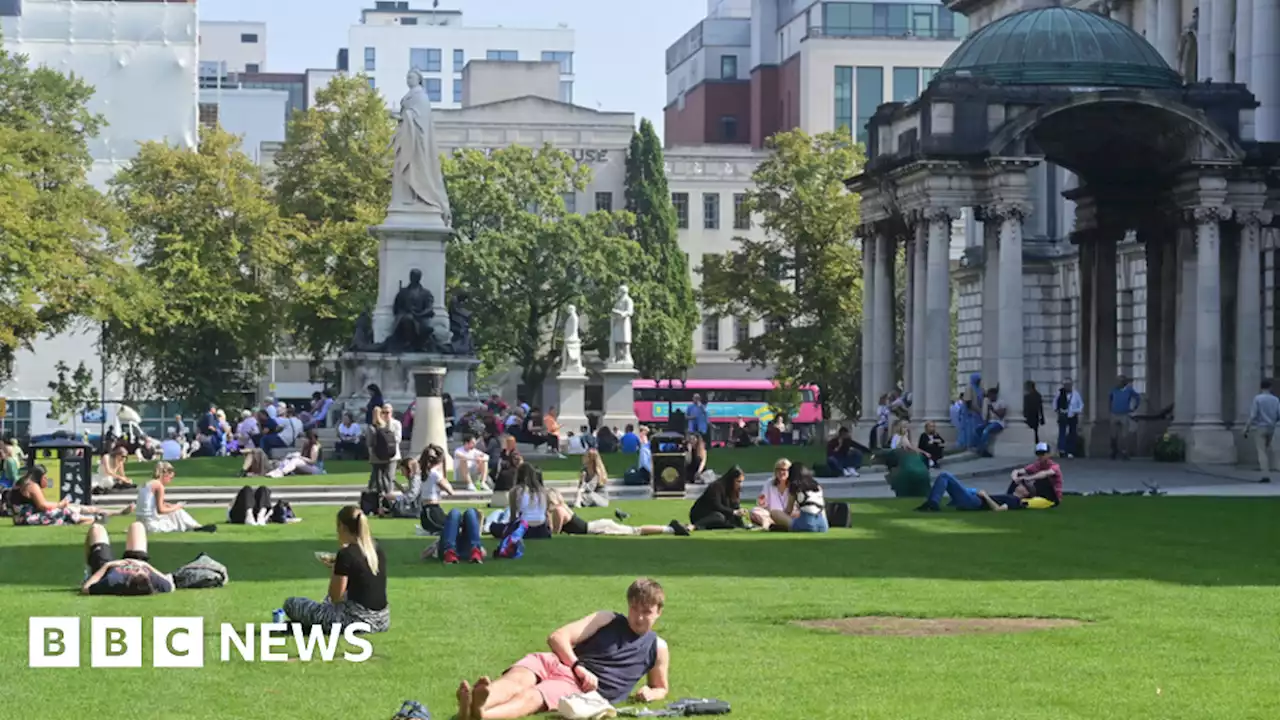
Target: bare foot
{"points": [[128, 509], [478, 698], [464, 701]]}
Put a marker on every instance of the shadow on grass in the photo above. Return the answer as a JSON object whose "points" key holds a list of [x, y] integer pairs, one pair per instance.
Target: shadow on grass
{"points": [[1191, 541]]}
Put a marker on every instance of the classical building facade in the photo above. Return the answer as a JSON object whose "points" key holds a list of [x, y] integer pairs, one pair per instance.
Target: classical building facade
{"points": [[1125, 226]]}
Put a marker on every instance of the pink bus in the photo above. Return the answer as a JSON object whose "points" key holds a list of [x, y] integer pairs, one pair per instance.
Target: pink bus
{"points": [[728, 401]]}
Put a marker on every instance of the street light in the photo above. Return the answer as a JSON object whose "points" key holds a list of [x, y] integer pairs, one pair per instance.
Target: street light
{"points": [[671, 413]]}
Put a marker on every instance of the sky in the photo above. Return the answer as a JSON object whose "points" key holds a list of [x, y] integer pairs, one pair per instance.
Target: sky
{"points": [[619, 54]]}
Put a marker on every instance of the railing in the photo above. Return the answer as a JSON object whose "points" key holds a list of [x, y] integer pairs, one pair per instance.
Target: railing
{"points": [[884, 32]]}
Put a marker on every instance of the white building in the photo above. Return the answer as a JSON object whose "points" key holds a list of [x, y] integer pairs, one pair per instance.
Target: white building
{"points": [[232, 46], [141, 58], [256, 115], [392, 38]]}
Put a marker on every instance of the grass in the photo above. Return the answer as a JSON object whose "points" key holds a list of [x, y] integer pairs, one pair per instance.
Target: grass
{"points": [[224, 471], [1181, 594]]}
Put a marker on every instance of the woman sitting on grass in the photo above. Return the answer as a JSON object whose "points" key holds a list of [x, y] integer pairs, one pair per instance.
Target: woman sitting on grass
{"points": [[695, 469], [770, 512], [718, 506], [304, 462], [509, 460], [256, 464], [406, 503], [564, 520], [592, 488], [528, 502], [358, 585], [134, 575], [805, 500], [159, 516], [431, 516], [111, 470], [31, 507]]}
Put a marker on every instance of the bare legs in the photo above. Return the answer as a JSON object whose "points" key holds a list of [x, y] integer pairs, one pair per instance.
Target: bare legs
{"points": [[511, 696], [135, 539], [760, 517], [780, 518]]}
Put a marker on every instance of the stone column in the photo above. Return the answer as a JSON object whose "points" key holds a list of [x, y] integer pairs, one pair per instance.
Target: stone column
{"points": [[1244, 40], [1011, 366], [1249, 325], [1185, 330], [869, 392], [919, 377], [429, 423], [1085, 331], [1204, 40], [1208, 441], [937, 321], [990, 300], [908, 331], [1168, 24], [883, 342], [1264, 71], [1221, 67], [1101, 355]]}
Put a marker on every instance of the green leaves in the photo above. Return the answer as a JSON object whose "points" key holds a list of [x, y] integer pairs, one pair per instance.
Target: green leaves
{"points": [[804, 277], [71, 395]]}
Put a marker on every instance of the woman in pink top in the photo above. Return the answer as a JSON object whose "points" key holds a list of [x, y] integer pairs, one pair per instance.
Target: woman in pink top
{"points": [[770, 512]]}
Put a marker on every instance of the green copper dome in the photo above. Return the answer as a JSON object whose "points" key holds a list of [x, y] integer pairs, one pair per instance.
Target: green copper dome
{"points": [[1061, 46]]}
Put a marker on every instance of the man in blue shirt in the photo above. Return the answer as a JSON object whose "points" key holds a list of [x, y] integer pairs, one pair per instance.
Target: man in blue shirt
{"points": [[630, 442], [696, 415], [1124, 401]]}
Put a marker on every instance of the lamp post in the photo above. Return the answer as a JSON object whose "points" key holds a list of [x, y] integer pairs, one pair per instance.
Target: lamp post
{"points": [[671, 413]]}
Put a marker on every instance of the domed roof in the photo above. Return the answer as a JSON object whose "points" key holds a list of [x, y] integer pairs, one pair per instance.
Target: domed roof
{"points": [[1061, 46]]}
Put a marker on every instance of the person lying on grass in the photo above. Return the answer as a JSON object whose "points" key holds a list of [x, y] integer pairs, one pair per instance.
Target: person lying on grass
{"points": [[357, 585], [134, 575], [31, 507], [564, 520], [1020, 497], [604, 652]]}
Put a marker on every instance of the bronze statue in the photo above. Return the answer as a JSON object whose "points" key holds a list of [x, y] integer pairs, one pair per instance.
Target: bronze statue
{"points": [[412, 310], [460, 323], [363, 341]]}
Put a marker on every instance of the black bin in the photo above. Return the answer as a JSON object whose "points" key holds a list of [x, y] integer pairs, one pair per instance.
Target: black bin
{"points": [[669, 449], [68, 460]]}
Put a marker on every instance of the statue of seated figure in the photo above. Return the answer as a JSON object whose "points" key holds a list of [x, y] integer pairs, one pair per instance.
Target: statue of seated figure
{"points": [[411, 329]]}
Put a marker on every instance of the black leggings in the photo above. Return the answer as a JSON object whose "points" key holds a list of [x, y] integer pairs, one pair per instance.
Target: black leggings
{"points": [[717, 521]]}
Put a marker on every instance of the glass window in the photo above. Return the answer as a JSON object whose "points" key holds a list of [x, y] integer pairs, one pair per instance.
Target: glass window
{"points": [[711, 211], [457, 91], [898, 19], [880, 20], [711, 334], [503, 55], [728, 67], [604, 201], [425, 59], [741, 217], [251, 67], [408, 21], [870, 93], [681, 203], [250, 38], [566, 91], [728, 128], [373, 84], [433, 89], [17, 419], [838, 16], [459, 60], [370, 59], [210, 69], [207, 114], [570, 202], [565, 59], [844, 98], [887, 19], [926, 75], [906, 84], [741, 331]]}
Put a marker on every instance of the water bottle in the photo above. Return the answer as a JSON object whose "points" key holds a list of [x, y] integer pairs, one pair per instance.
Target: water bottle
{"points": [[278, 616]]}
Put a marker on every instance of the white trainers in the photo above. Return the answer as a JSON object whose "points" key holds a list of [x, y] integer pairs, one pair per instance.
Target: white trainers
{"points": [[853, 472]]}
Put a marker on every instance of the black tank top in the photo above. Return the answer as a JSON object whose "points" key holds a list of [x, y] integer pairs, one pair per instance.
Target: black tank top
{"points": [[618, 657]]}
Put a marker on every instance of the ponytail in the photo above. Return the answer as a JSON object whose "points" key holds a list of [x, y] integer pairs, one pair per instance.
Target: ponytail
{"points": [[357, 524]]}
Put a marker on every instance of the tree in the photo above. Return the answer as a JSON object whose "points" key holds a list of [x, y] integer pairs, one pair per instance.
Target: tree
{"points": [[524, 258], [666, 309], [211, 247], [334, 175], [60, 241], [71, 396], [804, 277]]}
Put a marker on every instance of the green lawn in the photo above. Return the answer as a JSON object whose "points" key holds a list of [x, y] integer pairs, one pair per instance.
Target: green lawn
{"points": [[1181, 595], [224, 471]]}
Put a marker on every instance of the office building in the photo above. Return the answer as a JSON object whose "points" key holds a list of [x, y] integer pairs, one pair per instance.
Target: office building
{"points": [[238, 47]]}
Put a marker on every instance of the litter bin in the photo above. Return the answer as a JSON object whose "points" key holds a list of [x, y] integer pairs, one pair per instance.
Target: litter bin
{"points": [[70, 461], [669, 450]]}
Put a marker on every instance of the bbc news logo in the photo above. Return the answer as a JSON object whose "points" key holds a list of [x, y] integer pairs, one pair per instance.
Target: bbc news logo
{"points": [[179, 642]]}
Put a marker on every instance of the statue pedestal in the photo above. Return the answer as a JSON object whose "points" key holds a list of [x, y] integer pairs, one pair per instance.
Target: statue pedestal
{"points": [[411, 241], [619, 397], [573, 396], [394, 374], [428, 422]]}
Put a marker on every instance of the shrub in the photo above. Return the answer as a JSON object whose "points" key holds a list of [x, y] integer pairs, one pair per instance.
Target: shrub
{"points": [[1171, 448]]}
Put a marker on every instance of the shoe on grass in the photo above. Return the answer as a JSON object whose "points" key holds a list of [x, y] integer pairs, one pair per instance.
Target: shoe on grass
{"points": [[928, 506], [477, 556], [450, 557], [621, 515], [679, 529]]}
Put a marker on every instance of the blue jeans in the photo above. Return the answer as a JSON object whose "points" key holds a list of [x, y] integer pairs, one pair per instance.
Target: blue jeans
{"points": [[810, 523], [987, 432], [838, 464], [962, 498], [460, 529], [1067, 429]]}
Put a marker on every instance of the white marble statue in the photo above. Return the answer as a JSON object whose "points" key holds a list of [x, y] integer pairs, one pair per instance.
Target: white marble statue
{"points": [[417, 183], [620, 335], [572, 364]]}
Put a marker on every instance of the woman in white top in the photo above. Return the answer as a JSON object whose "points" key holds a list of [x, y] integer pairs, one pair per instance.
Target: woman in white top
{"points": [[431, 463], [350, 438], [528, 502], [771, 506], [592, 488], [158, 516], [806, 501]]}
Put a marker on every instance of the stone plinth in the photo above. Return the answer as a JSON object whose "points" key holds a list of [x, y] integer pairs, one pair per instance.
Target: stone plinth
{"points": [[411, 241], [394, 374], [1210, 445], [572, 388], [1016, 441], [428, 424], [619, 397]]}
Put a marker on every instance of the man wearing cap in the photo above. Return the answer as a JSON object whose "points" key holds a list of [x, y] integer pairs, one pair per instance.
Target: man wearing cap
{"points": [[1042, 478]]}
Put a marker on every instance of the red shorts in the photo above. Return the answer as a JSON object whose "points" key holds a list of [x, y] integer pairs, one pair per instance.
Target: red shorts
{"points": [[555, 679]]}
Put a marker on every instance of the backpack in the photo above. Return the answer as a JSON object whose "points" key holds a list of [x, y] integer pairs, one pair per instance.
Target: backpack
{"points": [[838, 515], [282, 512], [370, 502], [512, 546], [203, 572], [384, 444]]}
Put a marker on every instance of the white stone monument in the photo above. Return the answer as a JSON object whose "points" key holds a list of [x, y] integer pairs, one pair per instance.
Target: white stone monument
{"points": [[619, 369], [572, 378], [409, 328], [428, 424]]}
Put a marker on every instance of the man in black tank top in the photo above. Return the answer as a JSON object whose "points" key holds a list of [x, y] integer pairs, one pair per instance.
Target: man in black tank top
{"points": [[605, 652]]}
